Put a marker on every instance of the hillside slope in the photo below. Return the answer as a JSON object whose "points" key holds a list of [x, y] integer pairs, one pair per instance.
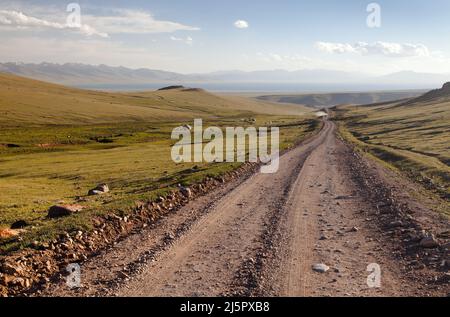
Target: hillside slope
{"points": [[330, 100], [413, 136], [433, 96], [26, 101]]}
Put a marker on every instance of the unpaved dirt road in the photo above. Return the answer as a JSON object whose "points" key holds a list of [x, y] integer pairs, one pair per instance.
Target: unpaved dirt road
{"points": [[262, 235]]}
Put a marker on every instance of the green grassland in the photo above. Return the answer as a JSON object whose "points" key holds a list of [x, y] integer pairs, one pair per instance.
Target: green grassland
{"points": [[56, 143], [413, 137]]}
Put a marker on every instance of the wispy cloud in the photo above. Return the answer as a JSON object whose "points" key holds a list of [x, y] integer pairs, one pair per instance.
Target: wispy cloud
{"points": [[187, 40], [135, 22], [283, 58], [241, 24], [376, 48], [118, 22], [22, 21]]}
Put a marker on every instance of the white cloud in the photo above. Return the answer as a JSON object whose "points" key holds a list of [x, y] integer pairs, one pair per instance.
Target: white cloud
{"points": [[118, 22], [20, 20], [376, 48], [277, 57], [335, 47], [188, 40], [241, 24], [288, 59], [135, 22]]}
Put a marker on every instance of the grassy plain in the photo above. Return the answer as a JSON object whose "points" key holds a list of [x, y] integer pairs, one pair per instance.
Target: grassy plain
{"points": [[56, 143]]}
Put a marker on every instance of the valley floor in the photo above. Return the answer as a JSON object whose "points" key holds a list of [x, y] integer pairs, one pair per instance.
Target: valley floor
{"points": [[261, 235]]}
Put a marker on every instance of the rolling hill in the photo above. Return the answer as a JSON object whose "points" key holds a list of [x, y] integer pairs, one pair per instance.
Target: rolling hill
{"points": [[330, 100], [413, 136], [434, 96], [56, 143], [26, 101]]}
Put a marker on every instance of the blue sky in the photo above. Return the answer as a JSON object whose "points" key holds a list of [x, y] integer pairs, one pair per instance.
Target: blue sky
{"points": [[192, 36]]}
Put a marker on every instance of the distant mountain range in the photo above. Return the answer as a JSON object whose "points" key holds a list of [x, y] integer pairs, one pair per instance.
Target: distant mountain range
{"points": [[82, 74]]}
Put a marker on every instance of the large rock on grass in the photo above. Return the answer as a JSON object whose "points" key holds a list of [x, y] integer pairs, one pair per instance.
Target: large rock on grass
{"points": [[20, 224], [63, 210], [99, 190]]}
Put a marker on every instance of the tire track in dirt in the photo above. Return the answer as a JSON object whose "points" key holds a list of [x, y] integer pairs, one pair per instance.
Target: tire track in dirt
{"points": [[260, 237], [325, 221], [207, 260]]}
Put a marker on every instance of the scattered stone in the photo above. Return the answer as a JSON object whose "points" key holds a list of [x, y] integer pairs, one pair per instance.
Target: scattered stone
{"points": [[429, 242], [186, 192], [444, 235], [396, 224], [320, 268], [6, 279], [19, 224], [18, 281], [447, 262], [124, 275], [3, 291], [63, 211], [11, 269], [169, 236], [8, 233], [99, 190]]}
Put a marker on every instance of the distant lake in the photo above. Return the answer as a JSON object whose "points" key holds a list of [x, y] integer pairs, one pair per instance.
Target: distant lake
{"points": [[256, 87]]}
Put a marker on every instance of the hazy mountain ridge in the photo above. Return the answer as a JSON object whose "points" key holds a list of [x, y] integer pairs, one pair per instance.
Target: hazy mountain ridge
{"points": [[72, 73], [82, 74]]}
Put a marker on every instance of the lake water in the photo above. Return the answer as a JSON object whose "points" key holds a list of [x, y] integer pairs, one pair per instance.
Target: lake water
{"points": [[256, 87]]}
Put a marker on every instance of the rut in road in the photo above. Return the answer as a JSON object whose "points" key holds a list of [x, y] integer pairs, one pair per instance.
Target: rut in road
{"points": [[205, 261], [264, 236], [321, 224], [260, 236]]}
